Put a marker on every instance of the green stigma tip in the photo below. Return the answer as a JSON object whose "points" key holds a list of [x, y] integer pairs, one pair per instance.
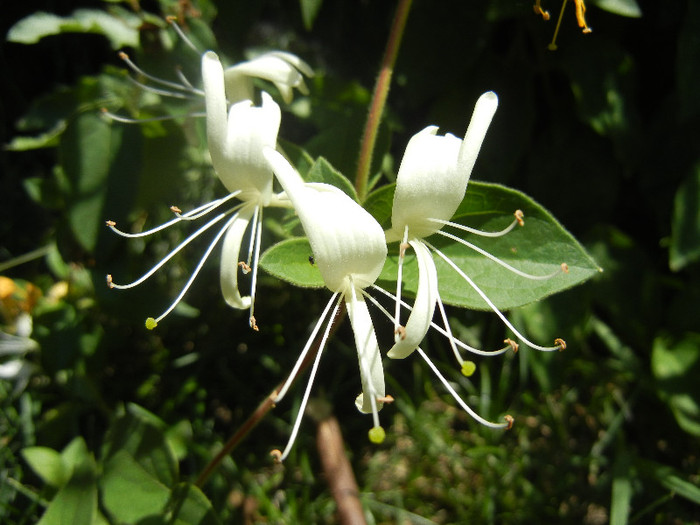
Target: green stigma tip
{"points": [[468, 368], [377, 435], [151, 323]]}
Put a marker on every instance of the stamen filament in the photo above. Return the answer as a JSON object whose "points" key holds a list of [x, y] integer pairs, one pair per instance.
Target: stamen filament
{"points": [[174, 252], [204, 258], [190, 215], [164, 92], [491, 305], [481, 233], [307, 392], [507, 424], [500, 261], [309, 342], [173, 22], [152, 78], [437, 327], [127, 120]]}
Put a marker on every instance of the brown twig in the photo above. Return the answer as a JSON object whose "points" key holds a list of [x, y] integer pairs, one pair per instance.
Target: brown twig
{"points": [[338, 472], [263, 408]]}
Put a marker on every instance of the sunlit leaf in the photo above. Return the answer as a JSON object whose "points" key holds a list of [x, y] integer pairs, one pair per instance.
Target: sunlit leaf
{"points": [[191, 507], [685, 226], [121, 31], [129, 492], [291, 261], [309, 12], [628, 8], [538, 248], [48, 464]]}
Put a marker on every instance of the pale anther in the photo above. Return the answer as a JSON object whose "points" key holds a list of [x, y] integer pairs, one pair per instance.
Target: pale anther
{"points": [[512, 344], [560, 343], [509, 419], [244, 266], [109, 280], [519, 217], [401, 332], [564, 267], [276, 456], [175, 210], [253, 324], [385, 399]]}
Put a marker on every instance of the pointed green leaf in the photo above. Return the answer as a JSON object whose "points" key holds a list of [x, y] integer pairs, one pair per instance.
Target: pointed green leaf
{"points": [[685, 227], [289, 260], [628, 8], [191, 507], [323, 171], [122, 31], [538, 248], [48, 465], [129, 492]]}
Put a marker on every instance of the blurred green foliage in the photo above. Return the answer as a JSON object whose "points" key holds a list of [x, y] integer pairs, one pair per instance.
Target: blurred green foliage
{"points": [[115, 422]]}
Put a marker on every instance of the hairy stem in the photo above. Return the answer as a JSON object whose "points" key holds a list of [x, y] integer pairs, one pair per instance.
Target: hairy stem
{"points": [[381, 91]]}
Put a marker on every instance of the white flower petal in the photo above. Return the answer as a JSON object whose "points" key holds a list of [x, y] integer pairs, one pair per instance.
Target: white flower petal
{"points": [[371, 371], [230, 257], [284, 70], [424, 306], [237, 136], [347, 242], [434, 173]]}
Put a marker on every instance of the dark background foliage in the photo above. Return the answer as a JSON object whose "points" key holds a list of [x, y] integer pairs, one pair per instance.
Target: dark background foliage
{"points": [[604, 132]]}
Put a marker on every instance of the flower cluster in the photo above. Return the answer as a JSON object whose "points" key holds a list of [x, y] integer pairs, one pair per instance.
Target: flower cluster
{"points": [[349, 246]]}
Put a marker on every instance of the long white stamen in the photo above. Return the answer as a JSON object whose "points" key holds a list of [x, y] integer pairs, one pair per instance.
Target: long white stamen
{"points": [[173, 85], [254, 265], [307, 347], [399, 277], [481, 233], [172, 254], [437, 327], [204, 258], [491, 305], [163, 92], [500, 261], [255, 224], [190, 215], [448, 329], [127, 120], [186, 82], [173, 23], [507, 424], [307, 392]]}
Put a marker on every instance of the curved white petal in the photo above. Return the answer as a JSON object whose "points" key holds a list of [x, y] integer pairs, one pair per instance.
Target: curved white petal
{"points": [[484, 111], [428, 184], [285, 70], [237, 136], [435, 171], [423, 308], [371, 371], [230, 257], [347, 242], [216, 106]]}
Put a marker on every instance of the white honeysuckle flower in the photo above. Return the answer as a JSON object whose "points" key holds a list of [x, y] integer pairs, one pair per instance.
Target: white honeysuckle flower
{"points": [[285, 70], [236, 138], [349, 249], [430, 186], [15, 347]]}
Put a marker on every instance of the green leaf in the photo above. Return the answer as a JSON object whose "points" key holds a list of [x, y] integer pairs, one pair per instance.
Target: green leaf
{"points": [[142, 435], [628, 8], [121, 31], [538, 248], [322, 171], [685, 226], [99, 160], [676, 367], [309, 12], [76, 502], [189, 506], [49, 139], [48, 465], [289, 260], [129, 492], [621, 489], [379, 204], [669, 478]]}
